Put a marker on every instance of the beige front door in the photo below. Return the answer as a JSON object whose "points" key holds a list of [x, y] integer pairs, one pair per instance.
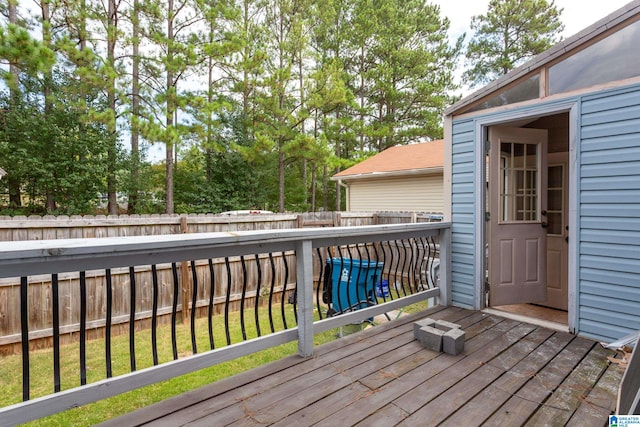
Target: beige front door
{"points": [[517, 215], [557, 231]]}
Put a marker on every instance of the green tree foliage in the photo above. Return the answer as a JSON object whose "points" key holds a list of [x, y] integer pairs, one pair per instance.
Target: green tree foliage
{"points": [[18, 47], [256, 103], [511, 32], [410, 70], [57, 154], [237, 184]]}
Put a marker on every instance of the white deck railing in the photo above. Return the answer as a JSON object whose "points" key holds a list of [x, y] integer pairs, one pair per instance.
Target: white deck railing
{"points": [[26, 259]]}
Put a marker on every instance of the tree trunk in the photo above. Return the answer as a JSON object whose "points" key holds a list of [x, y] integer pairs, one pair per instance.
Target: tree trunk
{"points": [[111, 102], [15, 198], [47, 91], [302, 128], [209, 146], [281, 181], [325, 186], [170, 110], [313, 186], [134, 185]]}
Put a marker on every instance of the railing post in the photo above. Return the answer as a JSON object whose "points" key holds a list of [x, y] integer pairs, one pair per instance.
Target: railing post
{"points": [[445, 266], [304, 279]]}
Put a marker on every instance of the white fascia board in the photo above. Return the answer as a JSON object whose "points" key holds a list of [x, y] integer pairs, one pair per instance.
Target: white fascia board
{"points": [[391, 174]]}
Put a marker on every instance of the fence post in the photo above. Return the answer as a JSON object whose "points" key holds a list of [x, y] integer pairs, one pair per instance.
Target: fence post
{"points": [[337, 219], [304, 289], [184, 277]]}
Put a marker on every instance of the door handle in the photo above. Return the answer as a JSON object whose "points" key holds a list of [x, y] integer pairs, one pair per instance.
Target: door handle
{"points": [[543, 224]]}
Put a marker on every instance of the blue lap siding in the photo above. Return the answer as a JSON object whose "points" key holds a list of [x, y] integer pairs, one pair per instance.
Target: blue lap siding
{"points": [[607, 171], [609, 204]]}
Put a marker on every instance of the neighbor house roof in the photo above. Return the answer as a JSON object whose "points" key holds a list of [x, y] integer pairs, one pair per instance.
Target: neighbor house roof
{"points": [[576, 41], [425, 157]]}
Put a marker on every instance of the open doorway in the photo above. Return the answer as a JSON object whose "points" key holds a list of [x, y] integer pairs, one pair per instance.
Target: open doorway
{"points": [[527, 214]]}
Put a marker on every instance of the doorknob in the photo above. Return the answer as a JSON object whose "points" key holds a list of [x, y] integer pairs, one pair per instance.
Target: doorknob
{"points": [[543, 224]]}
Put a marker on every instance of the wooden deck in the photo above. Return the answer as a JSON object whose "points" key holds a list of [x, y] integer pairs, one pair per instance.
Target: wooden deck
{"points": [[510, 373]]}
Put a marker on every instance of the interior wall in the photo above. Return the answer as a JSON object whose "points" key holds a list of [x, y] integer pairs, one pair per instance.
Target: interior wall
{"points": [[558, 127]]}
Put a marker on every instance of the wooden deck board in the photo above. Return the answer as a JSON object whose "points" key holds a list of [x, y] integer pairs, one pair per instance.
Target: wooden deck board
{"points": [[483, 405], [518, 409], [511, 373], [558, 409], [600, 402]]}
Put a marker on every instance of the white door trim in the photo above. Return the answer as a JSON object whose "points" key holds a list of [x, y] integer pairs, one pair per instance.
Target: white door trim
{"points": [[481, 132]]}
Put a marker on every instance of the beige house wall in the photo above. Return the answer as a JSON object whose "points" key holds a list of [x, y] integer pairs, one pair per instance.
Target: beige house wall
{"points": [[416, 193]]}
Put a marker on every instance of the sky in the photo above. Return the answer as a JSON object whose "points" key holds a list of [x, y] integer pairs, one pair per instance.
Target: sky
{"points": [[576, 16]]}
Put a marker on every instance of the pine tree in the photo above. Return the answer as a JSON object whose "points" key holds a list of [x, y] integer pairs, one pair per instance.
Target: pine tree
{"points": [[511, 32]]}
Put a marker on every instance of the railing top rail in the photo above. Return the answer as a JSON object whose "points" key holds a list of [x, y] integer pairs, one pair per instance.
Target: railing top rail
{"points": [[54, 256]]}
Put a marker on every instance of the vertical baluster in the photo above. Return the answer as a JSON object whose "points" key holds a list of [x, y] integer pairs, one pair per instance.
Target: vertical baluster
{"points": [[392, 284], [132, 318], [360, 302], [370, 287], [295, 295], [399, 267], [424, 263], [273, 285], [212, 290], [242, 298], [284, 289], [107, 332], [329, 290], [320, 282], [154, 315], [83, 328], [405, 262], [227, 301], [384, 265], [257, 298], [24, 331], [338, 285], [418, 264], [174, 310], [432, 258], [376, 257], [412, 268], [194, 300], [56, 332], [350, 303]]}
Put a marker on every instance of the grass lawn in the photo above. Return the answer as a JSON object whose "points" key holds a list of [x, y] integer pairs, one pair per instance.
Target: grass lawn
{"points": [[42, 366]]}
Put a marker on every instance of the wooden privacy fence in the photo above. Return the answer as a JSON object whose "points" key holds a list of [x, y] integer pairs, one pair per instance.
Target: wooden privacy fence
{"points": [[238, 270]]}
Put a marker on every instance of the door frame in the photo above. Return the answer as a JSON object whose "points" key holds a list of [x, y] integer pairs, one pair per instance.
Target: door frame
{"points": [[560, 159], [508, 118]]}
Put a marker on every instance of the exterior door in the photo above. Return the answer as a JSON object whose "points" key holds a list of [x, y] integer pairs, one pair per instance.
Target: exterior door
{"points": [[517, 215], [557, 231]]}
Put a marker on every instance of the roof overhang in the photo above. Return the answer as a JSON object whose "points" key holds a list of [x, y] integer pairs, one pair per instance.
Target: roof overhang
{"points": [[390, 174]]}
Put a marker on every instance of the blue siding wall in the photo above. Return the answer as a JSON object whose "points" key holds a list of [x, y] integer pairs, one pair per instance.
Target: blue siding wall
{"points": [[463, 262], [609, 206]]}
